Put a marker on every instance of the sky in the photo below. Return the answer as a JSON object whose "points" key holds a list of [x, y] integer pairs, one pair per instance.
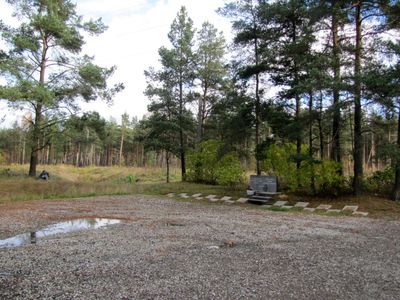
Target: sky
{"points": [[136, 30]]}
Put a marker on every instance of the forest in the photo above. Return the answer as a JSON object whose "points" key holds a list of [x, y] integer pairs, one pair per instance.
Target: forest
{"points": [[307, 90]]}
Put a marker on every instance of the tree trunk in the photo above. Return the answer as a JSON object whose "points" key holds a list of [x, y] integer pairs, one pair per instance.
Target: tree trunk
{"points": [[35, 141], [358, 143], [310, 142], [121, 147], [257, 106], [181, 136], [167, 161], [336, 146], [396, 187]]}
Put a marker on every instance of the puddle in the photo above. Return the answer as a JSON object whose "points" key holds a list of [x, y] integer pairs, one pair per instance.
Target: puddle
{"points": [[63, 227]]}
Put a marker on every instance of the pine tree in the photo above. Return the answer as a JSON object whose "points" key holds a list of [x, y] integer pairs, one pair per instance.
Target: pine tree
{"points": [[45, 72]]}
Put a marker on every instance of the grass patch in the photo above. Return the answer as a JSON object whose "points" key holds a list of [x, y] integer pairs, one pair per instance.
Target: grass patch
{"points": [[71, 182]]}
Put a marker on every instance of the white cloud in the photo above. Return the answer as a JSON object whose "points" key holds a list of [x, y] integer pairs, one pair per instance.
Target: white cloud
{"points": [[136, 29]]}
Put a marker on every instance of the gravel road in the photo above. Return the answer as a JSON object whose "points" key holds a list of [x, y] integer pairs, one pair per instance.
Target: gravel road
{"points": [[165, 249]]}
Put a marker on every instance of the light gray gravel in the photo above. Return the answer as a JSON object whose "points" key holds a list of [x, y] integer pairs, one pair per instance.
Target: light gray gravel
{"points": [[165, 249]]}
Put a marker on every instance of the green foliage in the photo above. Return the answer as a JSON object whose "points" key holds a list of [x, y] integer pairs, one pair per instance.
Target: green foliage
{"points": [[281, 161], [207, 166], [228, 170], [3, 160], [380, 181], [131, 178]]}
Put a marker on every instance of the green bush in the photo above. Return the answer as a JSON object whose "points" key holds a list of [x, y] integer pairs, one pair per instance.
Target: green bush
{"points": [[205, 165], [281, 161], [228, 170], [380, 181]]}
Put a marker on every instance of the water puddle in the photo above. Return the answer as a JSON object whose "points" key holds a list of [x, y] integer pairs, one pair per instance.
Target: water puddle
{"points": [[63, 227]]}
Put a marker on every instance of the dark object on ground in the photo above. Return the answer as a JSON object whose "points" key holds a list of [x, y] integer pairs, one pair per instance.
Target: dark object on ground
{"points": [[44, 175]]}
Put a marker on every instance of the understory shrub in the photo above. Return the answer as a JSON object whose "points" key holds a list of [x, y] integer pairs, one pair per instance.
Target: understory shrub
{"points": [[380, 181], [206, 165], [281, 161]]}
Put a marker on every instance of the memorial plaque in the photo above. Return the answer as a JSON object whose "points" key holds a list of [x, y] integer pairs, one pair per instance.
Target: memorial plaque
{"points": [[264, 184]]}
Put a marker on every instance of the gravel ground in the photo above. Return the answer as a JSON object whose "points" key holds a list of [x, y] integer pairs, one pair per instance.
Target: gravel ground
{"points": [[164, 249]]}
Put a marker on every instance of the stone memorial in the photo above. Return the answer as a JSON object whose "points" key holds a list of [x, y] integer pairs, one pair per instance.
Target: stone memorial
{"points": [[264, 184]]}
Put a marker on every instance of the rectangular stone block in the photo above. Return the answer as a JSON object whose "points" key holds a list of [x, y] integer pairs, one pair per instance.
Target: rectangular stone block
{"points": [[324, 206], [301, 204], [287, 206], [360, 213], [213, 199], [242, 200], [211, 196], [226, 198], [352, 208], [309, 209], [280, 203], [333, 211], [196, 195], [229, 201]]}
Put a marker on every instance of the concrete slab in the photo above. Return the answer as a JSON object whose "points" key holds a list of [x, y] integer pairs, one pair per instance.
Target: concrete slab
{"points": [[226, 198], [324, 206], [242, 200], [280, 203], [301, 204], [229, 201], [199, 198], [352, 208], [213, 199], [287, 206], [309, 209], [333, 211], [211, 196], [360, 213], [196, 195]]}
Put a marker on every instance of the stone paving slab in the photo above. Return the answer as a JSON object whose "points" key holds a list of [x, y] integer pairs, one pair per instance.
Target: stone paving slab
{"points": [[333, 211], [324, 206], [226, 198], [196, 195], [310, 209], [211, 196], [171, 195], [213, 199], [360, 213], [280, 203], [352, 208], [199, 198], [287, 206], [302, 204], [266, 205], [242, 200]]}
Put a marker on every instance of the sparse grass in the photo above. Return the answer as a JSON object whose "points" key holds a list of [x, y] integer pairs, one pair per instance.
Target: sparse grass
{"points": [[71, 182]]}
